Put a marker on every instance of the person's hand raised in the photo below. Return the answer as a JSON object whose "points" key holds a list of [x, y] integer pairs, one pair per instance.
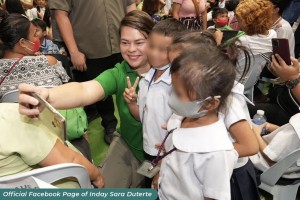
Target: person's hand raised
{"points": [[129, 94], [284, 71]]}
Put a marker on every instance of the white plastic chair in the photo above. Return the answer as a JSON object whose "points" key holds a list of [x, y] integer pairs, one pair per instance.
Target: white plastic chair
{"points": [[10, 97], [270, 177], [49, 175], [257, 63]]}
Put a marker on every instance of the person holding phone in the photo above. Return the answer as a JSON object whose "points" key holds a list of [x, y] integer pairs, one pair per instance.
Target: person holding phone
{"points": [[284, 99], [281, 26]]}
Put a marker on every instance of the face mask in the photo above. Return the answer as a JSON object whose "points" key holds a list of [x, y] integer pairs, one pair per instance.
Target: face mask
{"points": [[164, 67], [222, 21], [188, 109], [36, 46]]}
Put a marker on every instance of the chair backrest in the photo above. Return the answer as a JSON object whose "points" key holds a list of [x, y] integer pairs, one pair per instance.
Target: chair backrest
{"points": [[257, 63], [49, 175], [10, 97], [13, 96], [272, 175]]}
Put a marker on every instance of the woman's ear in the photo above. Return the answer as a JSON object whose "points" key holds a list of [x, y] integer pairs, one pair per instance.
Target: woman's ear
{"points": [[22, 42], [212, 104]]}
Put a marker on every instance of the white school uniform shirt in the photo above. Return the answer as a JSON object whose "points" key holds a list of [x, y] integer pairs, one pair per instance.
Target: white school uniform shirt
{"points": [[154, 109], [234, 111], [281, 143], [259, 43], [284, 30], [201, 166]]}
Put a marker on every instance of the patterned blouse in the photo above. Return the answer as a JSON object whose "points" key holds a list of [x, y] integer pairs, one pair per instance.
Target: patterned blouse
{"points": [[32, 70]]}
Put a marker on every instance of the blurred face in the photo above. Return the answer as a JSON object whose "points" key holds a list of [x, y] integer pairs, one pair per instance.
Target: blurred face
{"points": [[32, 43], [39, 32], [41, 3], [158, 50], [133, 47], [179, 89]]}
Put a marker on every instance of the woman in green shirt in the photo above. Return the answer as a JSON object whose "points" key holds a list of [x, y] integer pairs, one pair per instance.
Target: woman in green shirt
{"points": [[126, 152]]}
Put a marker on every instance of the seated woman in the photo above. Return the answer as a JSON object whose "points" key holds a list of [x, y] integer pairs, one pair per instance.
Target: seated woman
{"points": [[277, 145], [18, 65], [27, 144], [20, 42]]}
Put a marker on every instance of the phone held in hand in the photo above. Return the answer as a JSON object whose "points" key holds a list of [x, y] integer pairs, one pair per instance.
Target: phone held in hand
{"points": [[281, 47], [51, 118]]}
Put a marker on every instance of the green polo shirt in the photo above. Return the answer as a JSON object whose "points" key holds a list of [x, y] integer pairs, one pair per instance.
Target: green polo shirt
{"points": [[113, 81]]}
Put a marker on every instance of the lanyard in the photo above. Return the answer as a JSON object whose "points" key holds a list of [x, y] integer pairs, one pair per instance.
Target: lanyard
{"points": [[152, 79], [158, 157]]}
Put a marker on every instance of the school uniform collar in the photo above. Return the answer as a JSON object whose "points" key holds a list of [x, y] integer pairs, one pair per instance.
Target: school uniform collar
{"points": [[165, 77], [238, 88], [204, 139], [43, 45], [294, 121]]}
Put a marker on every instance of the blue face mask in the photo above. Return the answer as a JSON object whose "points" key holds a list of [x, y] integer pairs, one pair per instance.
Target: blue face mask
{"points": [[188, 109], [163, 68]]}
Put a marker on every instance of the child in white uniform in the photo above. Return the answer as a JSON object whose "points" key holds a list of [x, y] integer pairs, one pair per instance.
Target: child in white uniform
{"points": [[237, 121], [202, 164], [151, 107]]}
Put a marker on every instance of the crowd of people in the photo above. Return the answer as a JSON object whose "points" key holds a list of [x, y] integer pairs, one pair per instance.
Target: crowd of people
{"points": [[187, 82]]}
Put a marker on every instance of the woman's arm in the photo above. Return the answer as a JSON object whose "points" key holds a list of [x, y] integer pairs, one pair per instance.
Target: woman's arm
{"points": [[62, 154], [66, 96], [176, 8], [131, 7], [204, 20], [246, 144]]}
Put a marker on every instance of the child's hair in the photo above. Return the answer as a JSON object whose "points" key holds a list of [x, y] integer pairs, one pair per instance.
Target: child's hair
{"points": [[205, 72], [218, 11], [14, 6], [39, 23], [12, 29], [170, 27], [196, 40], [255, 15], [281, 4], [150, 6], [138, 20], [231, 5]]}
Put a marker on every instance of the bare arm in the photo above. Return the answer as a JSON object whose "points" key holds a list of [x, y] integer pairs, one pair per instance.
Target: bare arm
{"points": [[62, 154], [287, 72], [134, 110], [131, 7], [176, 8], [66, 96], [66, 30], [262, 144], [246, 144], [204, 20]]}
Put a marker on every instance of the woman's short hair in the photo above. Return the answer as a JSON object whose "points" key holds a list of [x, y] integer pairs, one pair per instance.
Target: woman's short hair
{"points": [[255, 16], [12, 29], [138, 20]]}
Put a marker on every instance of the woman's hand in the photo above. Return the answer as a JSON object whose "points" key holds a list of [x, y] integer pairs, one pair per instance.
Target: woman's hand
{"points": [[129, 94], [29, 105], [99, 181], [284, 71]]}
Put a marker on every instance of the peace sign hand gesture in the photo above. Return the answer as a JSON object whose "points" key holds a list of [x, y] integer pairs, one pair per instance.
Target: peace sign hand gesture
{"points": [[129, 94]]}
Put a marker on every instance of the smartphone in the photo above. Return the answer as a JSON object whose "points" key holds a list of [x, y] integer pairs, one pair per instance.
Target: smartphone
{"points": [[228, 34], [281, 47], [52, 119]]}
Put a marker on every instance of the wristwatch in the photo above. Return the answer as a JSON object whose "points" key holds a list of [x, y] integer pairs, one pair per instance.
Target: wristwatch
{"points": [[292, 84]]}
